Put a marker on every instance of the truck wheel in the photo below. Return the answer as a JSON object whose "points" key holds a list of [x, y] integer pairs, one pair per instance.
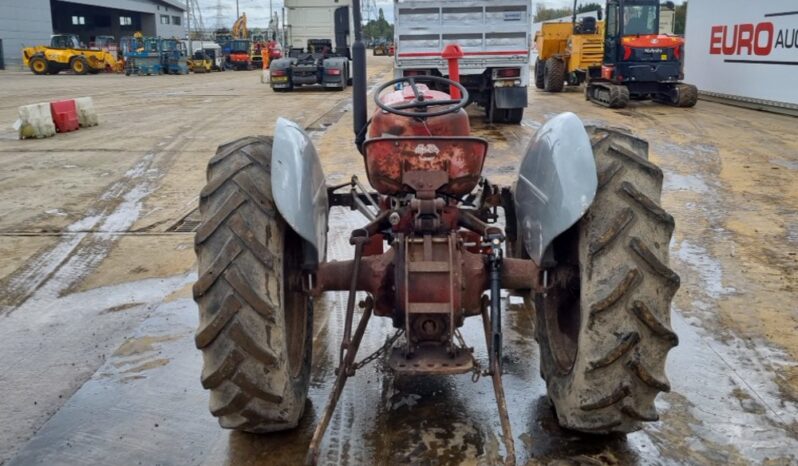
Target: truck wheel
{"points": [[39, 65], [604, 325], [554, 75], [511, 116], [539, 73], [79, 65], [255, 328]]}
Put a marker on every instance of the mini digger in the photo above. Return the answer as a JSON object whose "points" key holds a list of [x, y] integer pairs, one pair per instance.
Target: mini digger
{"points": [[620, 59], [639, 62], [582, 234]]}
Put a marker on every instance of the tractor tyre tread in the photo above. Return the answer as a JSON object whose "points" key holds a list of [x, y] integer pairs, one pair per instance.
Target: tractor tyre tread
{"points": [[554, 75], [243, 331], [625, 289]]}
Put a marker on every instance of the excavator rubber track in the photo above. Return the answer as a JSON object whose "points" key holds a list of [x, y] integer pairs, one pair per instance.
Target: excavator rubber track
{"points": [[607, 94]]}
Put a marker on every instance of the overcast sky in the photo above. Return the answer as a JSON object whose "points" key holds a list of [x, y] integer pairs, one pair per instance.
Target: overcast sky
{"points": [[258, 10]]}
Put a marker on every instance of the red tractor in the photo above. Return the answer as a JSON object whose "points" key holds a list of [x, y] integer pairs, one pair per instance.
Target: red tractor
{"points": [[582, 234]]}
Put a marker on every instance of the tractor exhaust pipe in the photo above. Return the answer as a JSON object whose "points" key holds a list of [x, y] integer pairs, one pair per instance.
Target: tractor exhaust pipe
{"points": [[573, 18], [359, 106]]}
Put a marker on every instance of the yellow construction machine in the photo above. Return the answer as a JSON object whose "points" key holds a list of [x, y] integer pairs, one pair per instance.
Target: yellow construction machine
{"points": [[66, 53], [567, 50]]}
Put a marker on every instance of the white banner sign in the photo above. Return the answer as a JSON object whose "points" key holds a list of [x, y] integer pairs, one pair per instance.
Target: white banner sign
{"points": [[743, 48]]}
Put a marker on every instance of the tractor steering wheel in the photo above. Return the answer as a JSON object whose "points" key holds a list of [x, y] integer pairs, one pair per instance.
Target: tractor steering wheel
{"points": [[420, 105]]}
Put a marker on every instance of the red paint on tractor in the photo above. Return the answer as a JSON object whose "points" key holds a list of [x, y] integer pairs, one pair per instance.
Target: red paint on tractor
{"points": [[388, 159]]}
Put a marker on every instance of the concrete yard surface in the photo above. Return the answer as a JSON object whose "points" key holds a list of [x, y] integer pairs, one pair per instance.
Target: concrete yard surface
{"points": [[97, 357]]}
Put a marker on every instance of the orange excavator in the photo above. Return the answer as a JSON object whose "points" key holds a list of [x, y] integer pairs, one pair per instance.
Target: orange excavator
{"points": [[639, 63]]}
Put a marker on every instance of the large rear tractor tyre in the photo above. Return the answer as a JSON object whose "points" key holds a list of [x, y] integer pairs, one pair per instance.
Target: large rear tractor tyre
{"points": [[604, 324], [554, 75], [79, 65], [539, 73], [255, 328], [39, 65]]}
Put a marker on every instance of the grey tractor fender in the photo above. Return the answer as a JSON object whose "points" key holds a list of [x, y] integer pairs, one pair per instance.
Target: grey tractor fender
{"points": [[298, 185], [556, 184]]}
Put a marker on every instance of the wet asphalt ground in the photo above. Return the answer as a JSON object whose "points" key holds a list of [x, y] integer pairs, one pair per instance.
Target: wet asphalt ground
{"points": [[98, 362]]}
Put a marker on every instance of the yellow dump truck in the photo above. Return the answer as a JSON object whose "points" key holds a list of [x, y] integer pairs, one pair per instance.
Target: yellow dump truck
{"points": [[566, 50], [66, 53]]}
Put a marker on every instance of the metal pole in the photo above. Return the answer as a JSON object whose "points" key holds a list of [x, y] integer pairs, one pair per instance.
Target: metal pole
{"points": [[188, 26], [573, 19], [237, 15]]}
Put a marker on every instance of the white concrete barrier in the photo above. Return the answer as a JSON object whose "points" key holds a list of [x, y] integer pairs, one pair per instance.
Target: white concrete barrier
{"points": [[35, 121], [87, 116]]}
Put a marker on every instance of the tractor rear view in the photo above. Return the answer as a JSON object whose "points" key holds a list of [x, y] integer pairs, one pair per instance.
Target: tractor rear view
{"points": [[585, 234], [639, 62]]}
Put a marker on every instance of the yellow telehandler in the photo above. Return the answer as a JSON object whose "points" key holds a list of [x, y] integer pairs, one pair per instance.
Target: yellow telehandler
{"points": [[66, 53]]}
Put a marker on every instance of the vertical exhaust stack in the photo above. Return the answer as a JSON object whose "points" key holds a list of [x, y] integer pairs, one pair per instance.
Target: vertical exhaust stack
{"points": [[573, 18], [359, 107]]}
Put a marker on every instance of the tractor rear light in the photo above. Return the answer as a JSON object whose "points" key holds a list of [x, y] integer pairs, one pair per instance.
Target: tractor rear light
{"points": [[332, 72], [627, 52], [279, 73], [504, 73], [677, 52]]}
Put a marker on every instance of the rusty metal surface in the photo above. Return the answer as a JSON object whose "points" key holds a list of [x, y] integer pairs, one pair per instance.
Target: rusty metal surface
{"points": [[433, 360], [388, 159]]}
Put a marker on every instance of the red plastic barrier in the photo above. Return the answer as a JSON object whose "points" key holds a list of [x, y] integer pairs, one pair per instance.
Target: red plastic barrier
{"points": [[65, 115]]}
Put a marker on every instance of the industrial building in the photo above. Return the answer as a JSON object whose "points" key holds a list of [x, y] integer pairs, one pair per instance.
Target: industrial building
{"points": [[25, 23]]}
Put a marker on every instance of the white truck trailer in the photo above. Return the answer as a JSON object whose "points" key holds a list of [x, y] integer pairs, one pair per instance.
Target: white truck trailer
{"points": [[494, 36], [318, 50]]}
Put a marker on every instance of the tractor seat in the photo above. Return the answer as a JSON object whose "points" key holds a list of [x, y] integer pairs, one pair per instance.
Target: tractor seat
{"points": [[586, 26]]}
